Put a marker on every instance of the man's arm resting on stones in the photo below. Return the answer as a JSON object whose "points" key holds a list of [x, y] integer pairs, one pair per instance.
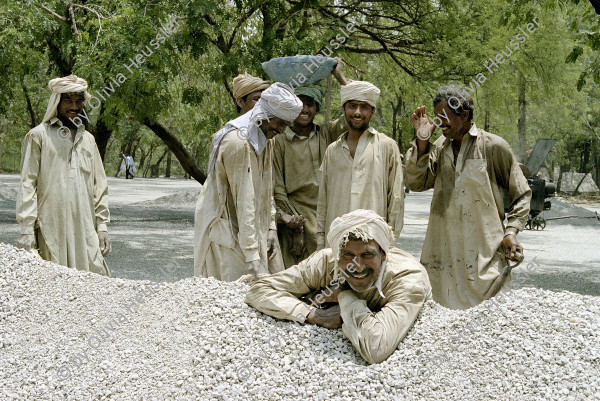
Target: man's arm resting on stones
{"points": [[377, 335], [278, 295]]}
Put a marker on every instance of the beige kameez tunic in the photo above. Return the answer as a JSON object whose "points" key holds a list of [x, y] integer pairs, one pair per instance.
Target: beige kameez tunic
{"points": [[374, 325], [371, 180], [63, 196], [463, 250], [296, 175], [235, 211]]}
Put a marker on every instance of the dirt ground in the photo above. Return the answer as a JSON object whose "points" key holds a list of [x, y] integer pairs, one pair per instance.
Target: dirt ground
{"points": [[152, 234]]}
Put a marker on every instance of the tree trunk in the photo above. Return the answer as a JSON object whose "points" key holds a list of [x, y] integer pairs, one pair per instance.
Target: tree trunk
{"points": [[521, 121], [585, 156], [33, 123], [168, 168], [155, 168], [101, 134], [174, 144]]}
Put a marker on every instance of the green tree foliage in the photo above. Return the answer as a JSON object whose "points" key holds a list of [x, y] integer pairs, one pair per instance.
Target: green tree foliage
{"points": [[181, 93]]}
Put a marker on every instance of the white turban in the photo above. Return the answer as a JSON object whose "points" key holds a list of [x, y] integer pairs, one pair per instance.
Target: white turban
{"points": [[245, 84], [361, 91], [276, 101], [366, 225], [68, 84]]}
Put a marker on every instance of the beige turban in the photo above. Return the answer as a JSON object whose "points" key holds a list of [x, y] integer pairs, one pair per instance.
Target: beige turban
{"points": [[69, 84], [362, 91], [245, 84], [366, 225]]}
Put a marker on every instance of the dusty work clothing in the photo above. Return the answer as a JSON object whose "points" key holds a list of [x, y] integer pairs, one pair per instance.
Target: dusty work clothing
{"points": [[63, 196], [371, 180], [235, 210], [296, 175], [463, 250], [373, 324]]}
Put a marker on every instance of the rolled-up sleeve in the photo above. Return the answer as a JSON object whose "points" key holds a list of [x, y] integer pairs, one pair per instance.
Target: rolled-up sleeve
{"points": [[31, 152], [510, 177], [421, 172]]}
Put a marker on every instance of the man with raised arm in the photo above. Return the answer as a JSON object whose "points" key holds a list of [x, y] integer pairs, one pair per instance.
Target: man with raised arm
{"points": [[297, 156], [376, 290], [469, 169], [362, 169], [62, 204], [235, 231]]}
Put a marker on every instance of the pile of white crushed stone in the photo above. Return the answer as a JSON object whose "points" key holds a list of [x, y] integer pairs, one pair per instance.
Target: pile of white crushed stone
{"points": [[70, 335]]}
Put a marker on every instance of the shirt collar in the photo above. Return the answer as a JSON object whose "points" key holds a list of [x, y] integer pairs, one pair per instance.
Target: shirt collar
{"points": [[344, 136], [474, 131], [290, 134], [56, 120]]}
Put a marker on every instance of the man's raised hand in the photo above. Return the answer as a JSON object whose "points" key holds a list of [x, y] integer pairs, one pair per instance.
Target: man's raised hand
{"points": [[421, 123]]}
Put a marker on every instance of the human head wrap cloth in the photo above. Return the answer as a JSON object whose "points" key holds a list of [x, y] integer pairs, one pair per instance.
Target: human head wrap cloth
{"points": [[244, 84], [276, 101], [310, 91], [361, 91], [366, 225], [68, 84]]}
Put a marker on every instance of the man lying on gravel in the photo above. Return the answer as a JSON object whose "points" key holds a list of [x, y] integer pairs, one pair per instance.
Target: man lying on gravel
{"points": [[377, 289]]}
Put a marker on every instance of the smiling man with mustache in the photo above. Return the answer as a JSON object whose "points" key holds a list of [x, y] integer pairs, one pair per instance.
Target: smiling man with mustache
{"points": [[469, 169], [362, 169], [62, 205], [363, 284]]}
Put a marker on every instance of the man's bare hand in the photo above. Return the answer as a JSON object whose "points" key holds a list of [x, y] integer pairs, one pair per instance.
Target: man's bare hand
{"points": [[423, 127], [26, 241], [253, 268], [512, 247], [329, 318], [293, 221], [104, 243]]}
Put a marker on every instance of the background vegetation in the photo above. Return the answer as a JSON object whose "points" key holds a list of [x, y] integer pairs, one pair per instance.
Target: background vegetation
{"points": [[166, 111]]}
